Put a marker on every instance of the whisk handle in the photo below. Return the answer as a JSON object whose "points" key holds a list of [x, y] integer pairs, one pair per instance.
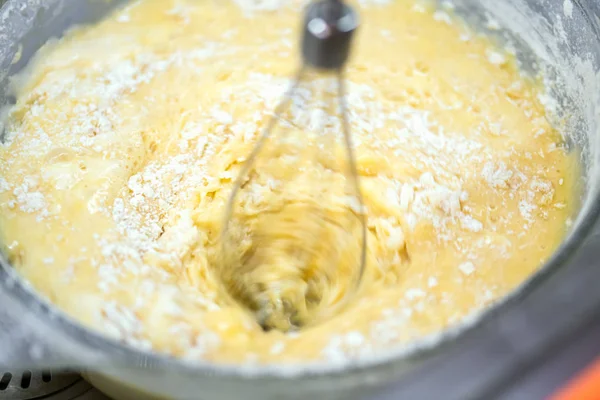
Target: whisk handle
{"points": [[329, 26]]}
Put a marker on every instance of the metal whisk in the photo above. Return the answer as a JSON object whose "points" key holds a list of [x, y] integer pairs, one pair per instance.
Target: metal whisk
{"points": [[294, 236]]}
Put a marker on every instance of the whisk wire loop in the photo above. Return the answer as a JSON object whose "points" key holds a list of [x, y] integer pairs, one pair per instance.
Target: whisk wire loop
{"points": [[294, 244]]}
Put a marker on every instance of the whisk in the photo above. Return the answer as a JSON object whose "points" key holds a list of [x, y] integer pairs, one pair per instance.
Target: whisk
{"points": [[294, 235]]}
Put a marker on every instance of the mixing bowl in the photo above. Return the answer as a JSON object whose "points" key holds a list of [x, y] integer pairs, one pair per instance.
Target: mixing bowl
{"points": [[477, 359]]}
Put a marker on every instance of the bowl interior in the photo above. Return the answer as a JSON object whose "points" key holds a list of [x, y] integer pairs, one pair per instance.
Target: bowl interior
{"points": [[559, 41]]}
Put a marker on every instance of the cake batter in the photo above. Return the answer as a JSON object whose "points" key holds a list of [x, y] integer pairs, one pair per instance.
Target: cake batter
{"points": [[121, 152]]}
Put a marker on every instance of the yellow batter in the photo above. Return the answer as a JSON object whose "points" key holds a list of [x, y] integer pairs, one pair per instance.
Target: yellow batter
{"points": [[127, 135]]}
